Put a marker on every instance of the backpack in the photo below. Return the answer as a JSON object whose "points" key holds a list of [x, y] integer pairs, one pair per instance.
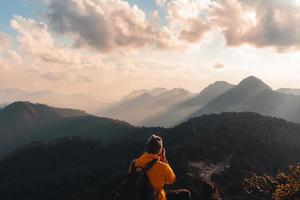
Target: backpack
{"points": [[137, 185]]}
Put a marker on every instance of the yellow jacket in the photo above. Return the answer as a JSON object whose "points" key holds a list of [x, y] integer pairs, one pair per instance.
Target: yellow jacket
{"points": [[159, 175]]}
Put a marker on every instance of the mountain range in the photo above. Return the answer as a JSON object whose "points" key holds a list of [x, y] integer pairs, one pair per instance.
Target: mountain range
{"points": [[167, 108], [163, 107], [24, 122], [154, 92], [138, 107], [182, 110], [253, 95]]}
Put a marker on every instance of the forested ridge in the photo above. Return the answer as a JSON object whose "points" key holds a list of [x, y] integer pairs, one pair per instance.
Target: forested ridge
{"points": [[81, 168]]}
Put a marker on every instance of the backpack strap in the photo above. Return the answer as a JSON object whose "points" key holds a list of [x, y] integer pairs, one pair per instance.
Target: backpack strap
{"points": [[132, 166], [149, 165]]}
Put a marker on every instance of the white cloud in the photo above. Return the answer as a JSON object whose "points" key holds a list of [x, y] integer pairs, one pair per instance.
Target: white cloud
{"points": [[161, 2], [261, 24], [45, 56], [268, 23], [106, 25], [4, 41], [187, 18], [41, 48], [36, 41], [8, 56]]}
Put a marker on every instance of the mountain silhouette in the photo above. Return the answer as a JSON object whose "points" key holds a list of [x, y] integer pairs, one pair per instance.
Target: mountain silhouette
{"points": [[209, 93], [180, 111], [139, 109], [23, 122], [156, 108], [253, 95], [154, 92], [254, 83]]}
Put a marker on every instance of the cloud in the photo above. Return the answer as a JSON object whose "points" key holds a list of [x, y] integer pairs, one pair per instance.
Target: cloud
{"points": [[187, 18], [66, 76], [5, 41], [47, 57], [82, 78], [113, 25], [268, 23], [218, 65], [41, 48], [8, 56], [194, 30], [161, 2], [36, 41], [105, 25], [53, 76]]}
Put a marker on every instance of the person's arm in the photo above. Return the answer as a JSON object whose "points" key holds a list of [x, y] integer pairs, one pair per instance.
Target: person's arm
{"points": [[163, 156], [170, 175]]}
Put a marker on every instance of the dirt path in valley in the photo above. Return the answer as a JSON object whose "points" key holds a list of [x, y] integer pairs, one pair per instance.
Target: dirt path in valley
{"points": [[207, 170]]}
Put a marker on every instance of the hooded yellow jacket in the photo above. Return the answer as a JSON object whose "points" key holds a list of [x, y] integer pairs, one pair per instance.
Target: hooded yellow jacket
{"points": [[159, 175]]}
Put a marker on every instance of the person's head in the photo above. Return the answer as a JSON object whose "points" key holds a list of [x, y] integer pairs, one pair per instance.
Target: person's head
{"points": [[154, 144]]}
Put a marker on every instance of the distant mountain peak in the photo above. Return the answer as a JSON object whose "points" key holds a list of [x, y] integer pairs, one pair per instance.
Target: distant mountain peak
{"points": [[178, 91], [20, 105], [136, 93], [253, 82], [218, 84], [145, 95], [157, 91], [26, 109], [221, 83], [251, 79], [159, 88], [30, 110], [133, 94], [216, 87]]}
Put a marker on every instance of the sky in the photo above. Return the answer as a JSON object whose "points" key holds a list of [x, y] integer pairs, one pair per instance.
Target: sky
{"points": [[107, 48]]}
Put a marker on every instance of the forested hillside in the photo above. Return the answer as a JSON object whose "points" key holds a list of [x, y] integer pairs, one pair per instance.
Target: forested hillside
{"points": [[78, 168], [24, 122]]}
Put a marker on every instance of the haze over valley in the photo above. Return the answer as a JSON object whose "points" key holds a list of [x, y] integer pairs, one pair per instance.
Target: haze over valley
{"points": [[167, 108]]}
